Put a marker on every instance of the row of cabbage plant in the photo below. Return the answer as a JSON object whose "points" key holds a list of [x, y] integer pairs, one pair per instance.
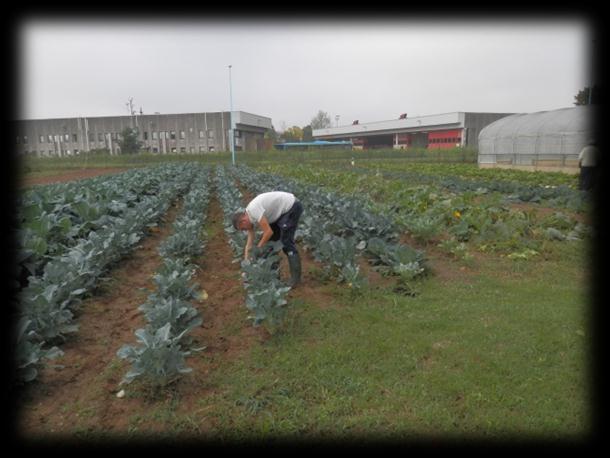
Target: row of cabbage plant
{"points": [[561, 195], [53, 218], [265, 293], [47, 307], [163, 344]]}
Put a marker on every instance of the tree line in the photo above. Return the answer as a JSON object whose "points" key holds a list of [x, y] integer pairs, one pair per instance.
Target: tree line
{"points": [[300, 134]]}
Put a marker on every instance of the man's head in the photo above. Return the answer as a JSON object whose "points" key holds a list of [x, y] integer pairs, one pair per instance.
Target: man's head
{"points": [[241, 221]]}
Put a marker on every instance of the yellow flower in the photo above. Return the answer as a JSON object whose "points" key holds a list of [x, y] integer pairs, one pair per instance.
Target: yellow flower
{"points": [[457, 214]]}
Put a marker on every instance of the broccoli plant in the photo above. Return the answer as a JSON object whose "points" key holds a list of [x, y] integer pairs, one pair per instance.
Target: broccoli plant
{"points": [[180, 314], [159, 359], [29, 353], [173, 279], [394, 258], [265, 292]]}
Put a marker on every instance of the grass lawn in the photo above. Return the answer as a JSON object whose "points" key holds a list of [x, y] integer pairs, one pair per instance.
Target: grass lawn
{"points": [[500, 354]]}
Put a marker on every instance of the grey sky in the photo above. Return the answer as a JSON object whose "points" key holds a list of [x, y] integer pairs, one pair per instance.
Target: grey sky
{"points": [[369, 71]]}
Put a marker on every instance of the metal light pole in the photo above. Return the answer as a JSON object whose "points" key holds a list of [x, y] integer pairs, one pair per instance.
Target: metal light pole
{"points": [[231, 132], [591, 53]]}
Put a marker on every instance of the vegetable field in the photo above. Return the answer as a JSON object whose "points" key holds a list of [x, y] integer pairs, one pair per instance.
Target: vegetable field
{"points": [[438, 301]]}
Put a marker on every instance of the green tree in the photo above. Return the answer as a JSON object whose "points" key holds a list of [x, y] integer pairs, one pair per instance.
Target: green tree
{"points": [[582, 98], [271, 134], [293, 134], [307, 134], [129, 142], [321, 120]]}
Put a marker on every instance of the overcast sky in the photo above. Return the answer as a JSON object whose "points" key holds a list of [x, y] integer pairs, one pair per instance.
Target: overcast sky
{"points": [[370, 71]]}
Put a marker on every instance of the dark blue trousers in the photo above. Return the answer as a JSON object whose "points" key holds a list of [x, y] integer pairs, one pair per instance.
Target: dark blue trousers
{"points": [[285, 227]]}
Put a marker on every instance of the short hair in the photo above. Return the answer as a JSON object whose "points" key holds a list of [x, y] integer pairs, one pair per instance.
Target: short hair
{"points": [[237, 216]]}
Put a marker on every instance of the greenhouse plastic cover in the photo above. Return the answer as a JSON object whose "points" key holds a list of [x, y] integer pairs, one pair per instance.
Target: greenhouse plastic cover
{"points": [[553, 133]]}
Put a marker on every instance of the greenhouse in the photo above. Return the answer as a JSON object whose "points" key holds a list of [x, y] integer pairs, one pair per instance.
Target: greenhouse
{"points": [[545, 140]]}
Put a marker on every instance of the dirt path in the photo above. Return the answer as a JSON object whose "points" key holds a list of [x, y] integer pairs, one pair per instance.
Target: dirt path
{"points": [[68, 175]]}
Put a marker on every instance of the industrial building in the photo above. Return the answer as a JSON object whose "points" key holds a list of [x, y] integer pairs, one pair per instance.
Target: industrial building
{"points": [[159, 133], [545, 140], [439, 131]]}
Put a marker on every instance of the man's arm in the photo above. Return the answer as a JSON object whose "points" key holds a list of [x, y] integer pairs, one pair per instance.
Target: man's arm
{"points": [[249, 243], [267, 231]]}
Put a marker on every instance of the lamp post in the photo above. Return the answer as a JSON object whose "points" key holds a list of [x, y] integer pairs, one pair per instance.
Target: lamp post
{"points": [[337, 120], [231, 132], [591, 53]]}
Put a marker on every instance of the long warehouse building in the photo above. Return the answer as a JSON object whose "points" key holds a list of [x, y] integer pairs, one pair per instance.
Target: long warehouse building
{"points": [[439, 131], [159, 133]]}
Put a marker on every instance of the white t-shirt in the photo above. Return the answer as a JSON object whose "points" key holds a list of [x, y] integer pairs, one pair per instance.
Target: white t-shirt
{"points": [[272, 205], [588, 156]]}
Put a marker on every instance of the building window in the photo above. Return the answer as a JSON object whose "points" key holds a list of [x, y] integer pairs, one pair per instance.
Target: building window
{"points": [[145, 135], [191, 150], [113, 136], [174, 149], [74, 138], [238, 133], [41, 139], [201, 149], [172, 134], [201, 134], [183, 149], [155, 149], [91, 137], [66, 137], [211, 149], [210, 133], [49, 138], [182, 136], [100, 137], [155, 135]]}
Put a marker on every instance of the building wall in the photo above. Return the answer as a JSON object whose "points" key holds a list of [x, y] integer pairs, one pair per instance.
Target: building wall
{"points": [[445, 139], [444, 130], [159, 133]]}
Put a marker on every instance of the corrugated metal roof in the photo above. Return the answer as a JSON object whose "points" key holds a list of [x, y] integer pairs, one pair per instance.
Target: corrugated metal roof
{"points": [[393, 124]]}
